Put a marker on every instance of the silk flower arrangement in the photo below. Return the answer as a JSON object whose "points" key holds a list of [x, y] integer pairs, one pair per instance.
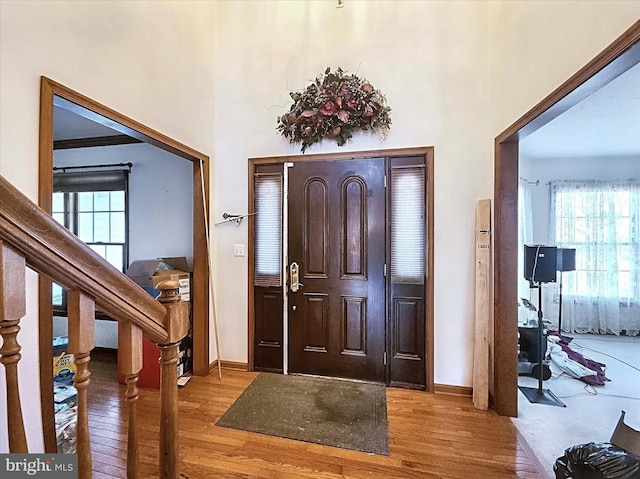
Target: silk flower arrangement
{"points": [[334, 106]]}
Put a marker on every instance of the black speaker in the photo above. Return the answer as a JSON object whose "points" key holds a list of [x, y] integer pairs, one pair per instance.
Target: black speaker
{"points": [[540, 263], [566, 259]]}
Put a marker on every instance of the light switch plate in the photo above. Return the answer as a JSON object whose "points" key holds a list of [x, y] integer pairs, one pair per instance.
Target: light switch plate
{"points": [[238, 250]]}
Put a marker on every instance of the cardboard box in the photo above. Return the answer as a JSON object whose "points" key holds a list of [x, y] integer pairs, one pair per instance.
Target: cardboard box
{"points": [[148, 273], [64, 367]]}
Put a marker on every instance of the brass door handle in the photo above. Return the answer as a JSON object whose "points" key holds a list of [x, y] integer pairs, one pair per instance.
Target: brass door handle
{"points": [[294, 284]]}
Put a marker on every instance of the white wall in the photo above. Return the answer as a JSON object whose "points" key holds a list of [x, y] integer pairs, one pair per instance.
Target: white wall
{"points": [[535, 46], [152, 61], [546, 170], [160, 209]]}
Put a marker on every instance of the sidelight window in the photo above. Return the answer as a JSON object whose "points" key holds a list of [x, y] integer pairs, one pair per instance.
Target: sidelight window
{"points": [[268, 229], [408, 224]]}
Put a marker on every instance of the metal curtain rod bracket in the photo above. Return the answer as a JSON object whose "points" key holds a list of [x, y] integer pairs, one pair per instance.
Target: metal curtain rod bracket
{"points": [[534, 183], [82, 167], [237, 219]]}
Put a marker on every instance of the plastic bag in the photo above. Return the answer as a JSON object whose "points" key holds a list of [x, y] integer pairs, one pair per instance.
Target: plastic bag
{"points": [[597, 460]]}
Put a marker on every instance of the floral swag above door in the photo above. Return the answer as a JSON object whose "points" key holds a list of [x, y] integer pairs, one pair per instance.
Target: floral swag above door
{"points": [[334, 106]]}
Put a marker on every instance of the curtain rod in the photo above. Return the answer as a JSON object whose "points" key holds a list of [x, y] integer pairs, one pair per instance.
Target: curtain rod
{"points": [[535, 183], [64, 168]]}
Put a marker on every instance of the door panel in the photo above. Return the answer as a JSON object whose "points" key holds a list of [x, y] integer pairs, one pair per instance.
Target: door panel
{"points": [[337, 235], [407, 229], [268, 329]]}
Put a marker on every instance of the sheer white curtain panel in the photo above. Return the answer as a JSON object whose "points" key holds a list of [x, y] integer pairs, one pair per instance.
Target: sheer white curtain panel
{"points": [[601, 220], [525, 236]]}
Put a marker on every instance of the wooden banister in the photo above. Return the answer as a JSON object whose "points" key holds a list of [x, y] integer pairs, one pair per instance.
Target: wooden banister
{"points": [[13, 307], [30, 237], [51, 249], [178, 321], [82, 312], [130, 350]]}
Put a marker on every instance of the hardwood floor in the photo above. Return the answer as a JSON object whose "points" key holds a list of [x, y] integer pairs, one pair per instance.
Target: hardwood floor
{"points": [[430, 436]]}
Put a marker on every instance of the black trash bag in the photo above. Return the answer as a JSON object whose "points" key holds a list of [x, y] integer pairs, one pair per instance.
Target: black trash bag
{"points": [[597, 460]]}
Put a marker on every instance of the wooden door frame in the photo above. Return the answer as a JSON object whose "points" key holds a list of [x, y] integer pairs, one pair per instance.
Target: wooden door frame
{"points": [[99, 113], [614, 60], [427, 152]]}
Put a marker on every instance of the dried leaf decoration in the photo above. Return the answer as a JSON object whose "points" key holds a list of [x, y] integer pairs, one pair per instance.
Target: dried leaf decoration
{"points": [[334, 106]]}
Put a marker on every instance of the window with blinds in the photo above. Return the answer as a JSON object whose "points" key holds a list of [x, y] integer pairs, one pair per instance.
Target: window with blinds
{"points": [[268, 229], [93, 206], [408, 224]]}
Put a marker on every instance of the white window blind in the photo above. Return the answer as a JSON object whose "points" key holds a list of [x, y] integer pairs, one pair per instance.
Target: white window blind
{"points": [[408, 224], [268, 230]]}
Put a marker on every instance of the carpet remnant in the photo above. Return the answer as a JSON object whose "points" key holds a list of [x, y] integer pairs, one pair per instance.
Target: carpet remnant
{"points": [[333, 412]]}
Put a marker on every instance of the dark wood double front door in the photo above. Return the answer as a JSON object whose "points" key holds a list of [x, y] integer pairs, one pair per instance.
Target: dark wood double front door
{"points": [[337, 240], [354, 232]]}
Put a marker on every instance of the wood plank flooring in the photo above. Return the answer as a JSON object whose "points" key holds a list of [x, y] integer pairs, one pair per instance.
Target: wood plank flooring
{"points": [[430, 436]]}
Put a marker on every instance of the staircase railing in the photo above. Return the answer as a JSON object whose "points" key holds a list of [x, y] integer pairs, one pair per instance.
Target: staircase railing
{"points": [[29, 237]]}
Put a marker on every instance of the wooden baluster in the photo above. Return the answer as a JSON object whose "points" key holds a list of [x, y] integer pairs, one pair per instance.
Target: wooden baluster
{"points": [[81, 311], [130, 344], [13, 306], [177, 323]]}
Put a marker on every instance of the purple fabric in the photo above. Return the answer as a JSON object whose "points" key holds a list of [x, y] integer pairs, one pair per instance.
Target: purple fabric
{"points": [[599, 379]]}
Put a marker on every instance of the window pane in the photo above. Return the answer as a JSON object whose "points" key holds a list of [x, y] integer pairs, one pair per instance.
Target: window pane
{"points": [[101, 201], [85, 227], [622, 230], [58, 203], [407, 225], [85, 201], [580, 226], [56, 293], [268, 232], [59, 217], [624, 257], [622, 203], [115, 256], [117, 201], [100, 249], [624, 284], [600, 220], [117, 227], [101, 227]]}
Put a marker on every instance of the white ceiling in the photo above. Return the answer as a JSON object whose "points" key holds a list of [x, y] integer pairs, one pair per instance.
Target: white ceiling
{"points": [[71, 126], [606, 123]]}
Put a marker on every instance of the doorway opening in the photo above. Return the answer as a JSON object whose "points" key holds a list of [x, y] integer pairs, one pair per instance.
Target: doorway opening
{"points": [[344, 287], [53, 94], [616, 59]]}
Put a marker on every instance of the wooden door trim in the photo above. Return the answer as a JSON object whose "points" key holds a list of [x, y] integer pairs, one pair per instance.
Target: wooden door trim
{"points": [[340, 156], [104, 115], [614, 60]]}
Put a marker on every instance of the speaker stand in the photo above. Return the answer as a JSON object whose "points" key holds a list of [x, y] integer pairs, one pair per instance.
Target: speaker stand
{"points": [[566, 339], [539, 395]]}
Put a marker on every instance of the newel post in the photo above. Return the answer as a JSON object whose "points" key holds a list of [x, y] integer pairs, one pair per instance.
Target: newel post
{"points": [[13, 306], [177, 324]]}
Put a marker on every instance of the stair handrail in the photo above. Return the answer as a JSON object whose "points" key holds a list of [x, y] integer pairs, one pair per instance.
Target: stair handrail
{"points": [[52, 250]]}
